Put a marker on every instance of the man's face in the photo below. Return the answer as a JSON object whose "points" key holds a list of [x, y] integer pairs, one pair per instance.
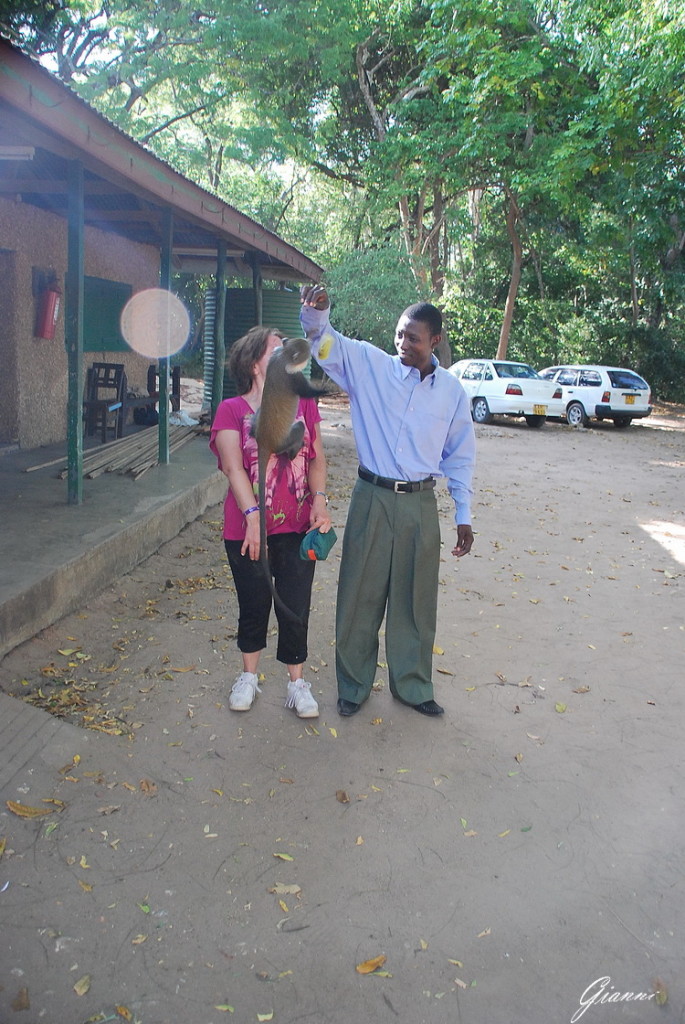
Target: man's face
{"points": [[415, 343]]}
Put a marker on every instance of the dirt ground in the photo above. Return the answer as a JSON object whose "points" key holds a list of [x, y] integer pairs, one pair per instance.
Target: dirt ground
{"points": [[210, 866]]}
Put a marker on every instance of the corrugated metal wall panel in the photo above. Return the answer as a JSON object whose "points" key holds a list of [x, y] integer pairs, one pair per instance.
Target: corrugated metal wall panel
{"points": [[240, 317], [240, 313], [280, 309]]}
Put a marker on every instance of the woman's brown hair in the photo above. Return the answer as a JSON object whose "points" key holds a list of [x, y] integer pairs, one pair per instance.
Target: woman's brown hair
{"points": [[245, 352]]}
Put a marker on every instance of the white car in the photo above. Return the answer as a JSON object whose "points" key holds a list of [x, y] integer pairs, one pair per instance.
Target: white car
{"points": [[498, 387], [601, 392]]}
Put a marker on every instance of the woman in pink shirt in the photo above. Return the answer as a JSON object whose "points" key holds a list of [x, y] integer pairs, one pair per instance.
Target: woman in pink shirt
{"points": [[296, 502]]}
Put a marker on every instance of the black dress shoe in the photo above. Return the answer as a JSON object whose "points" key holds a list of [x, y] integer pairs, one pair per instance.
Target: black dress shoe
{"points": [[347, 707], [426, 707]]}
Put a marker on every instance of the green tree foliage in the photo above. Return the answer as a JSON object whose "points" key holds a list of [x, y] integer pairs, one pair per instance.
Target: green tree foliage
{"points": [[519, 162], [370, 287]]}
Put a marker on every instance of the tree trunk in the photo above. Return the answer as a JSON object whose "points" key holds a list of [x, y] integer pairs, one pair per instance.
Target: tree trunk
{"points": [[437, 263], [634, 302], [444, 352], [423, 246], [517, 259]]}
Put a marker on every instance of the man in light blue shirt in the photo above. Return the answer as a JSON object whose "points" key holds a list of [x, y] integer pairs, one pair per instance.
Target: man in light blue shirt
{"points": [[411, 422]]}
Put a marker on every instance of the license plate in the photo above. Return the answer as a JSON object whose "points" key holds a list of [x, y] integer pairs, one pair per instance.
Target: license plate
{"points": [[539, 410], [630, 399]]}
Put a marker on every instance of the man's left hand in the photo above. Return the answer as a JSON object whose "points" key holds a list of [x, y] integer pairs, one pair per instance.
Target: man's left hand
{"points": [[464, 540]]}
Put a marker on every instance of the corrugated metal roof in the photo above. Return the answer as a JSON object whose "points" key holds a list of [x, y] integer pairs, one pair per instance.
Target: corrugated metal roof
{"points": [[127, 187]]}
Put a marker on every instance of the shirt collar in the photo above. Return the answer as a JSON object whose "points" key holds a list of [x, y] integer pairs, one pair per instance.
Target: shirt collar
{"points": [[406, 370]]}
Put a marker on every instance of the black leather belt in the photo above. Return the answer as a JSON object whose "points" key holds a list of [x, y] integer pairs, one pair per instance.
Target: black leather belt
{"points": [[398, 486]]}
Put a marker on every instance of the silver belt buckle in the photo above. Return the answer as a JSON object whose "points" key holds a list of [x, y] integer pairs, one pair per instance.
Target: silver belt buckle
{"points": [[397, 487]]}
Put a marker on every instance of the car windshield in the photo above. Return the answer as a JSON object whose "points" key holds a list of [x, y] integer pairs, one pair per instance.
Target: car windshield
{"points": [[627, 379], [515, 370]]}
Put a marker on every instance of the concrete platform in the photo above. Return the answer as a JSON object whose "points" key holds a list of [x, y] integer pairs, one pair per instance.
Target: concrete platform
{"points": [[55, 556], [26, 734]]}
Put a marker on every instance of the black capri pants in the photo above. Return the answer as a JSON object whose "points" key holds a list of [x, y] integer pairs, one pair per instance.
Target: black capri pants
{"points": [[293, 578]]}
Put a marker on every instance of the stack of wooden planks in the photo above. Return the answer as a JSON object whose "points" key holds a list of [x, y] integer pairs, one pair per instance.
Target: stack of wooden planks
{"points": [[133, 455]]}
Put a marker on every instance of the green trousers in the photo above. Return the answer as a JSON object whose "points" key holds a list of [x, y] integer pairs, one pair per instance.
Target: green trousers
{"points": [[390, 559]]}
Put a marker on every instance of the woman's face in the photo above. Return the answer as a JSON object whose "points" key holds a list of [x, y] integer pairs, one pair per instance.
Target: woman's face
{"points": [[273, 341]]}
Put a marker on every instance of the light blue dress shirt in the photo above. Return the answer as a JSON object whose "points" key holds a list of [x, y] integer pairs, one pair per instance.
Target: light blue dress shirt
{"points": [[405, 428]]}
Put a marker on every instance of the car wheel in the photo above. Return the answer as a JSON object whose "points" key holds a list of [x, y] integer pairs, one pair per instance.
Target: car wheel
{"points": [[575, 415], [480, 410], [621, 422], [535, 421]]}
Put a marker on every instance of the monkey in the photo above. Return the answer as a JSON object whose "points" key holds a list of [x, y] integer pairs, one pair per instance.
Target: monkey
{"points": [[273, 426]]}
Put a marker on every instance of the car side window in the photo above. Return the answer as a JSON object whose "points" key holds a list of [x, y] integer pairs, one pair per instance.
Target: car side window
{"points": [[590, 379], [567, 377], [473, 371], [488, 373]]}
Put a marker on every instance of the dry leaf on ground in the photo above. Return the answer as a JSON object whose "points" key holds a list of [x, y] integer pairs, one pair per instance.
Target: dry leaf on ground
{"points": [[280, 889], [23, 811], [82, 985], [660, 992], [368, 966], [21, 1000]]}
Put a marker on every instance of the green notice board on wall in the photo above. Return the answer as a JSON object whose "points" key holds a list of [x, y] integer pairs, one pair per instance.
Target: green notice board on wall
{"points": [[103, 302]]}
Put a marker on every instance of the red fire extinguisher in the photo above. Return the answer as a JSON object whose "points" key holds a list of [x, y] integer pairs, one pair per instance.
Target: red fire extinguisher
{"points": [[48, 312]]}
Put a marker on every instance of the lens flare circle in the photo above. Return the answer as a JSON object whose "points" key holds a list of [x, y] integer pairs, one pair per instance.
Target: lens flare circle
{"points": [[155, 323]]}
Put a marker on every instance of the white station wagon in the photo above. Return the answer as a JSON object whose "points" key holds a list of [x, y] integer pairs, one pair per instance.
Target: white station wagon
{"points": [[498, 387], [601, 392]]}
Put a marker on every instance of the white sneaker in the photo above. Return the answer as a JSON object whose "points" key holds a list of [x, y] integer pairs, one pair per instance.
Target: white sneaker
{"points": [[243, 692], [300, 698]]}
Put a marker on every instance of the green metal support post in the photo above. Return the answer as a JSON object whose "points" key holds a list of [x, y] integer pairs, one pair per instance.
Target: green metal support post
{"points": [[219, 327], [163, 368], [257, 288], [73, 333]]}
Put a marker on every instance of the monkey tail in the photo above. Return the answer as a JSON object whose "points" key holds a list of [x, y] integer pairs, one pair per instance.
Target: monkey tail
{"points": [[263, 548]]}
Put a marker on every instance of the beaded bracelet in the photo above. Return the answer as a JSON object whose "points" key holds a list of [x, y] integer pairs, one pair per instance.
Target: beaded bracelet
{"points": [[255, 508]]}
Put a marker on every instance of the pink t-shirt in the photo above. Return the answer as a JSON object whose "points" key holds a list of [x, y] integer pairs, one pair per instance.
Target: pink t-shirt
{"points": [[288, 501]]}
